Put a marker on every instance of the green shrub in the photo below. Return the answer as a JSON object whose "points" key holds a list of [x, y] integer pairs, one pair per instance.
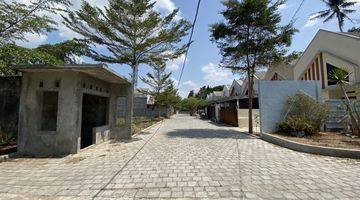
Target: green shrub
{"points": [[303, 114], [296, 125]]}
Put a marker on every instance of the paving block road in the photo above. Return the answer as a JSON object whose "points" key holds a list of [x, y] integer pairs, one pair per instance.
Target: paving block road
{"points": [[183, 158]]}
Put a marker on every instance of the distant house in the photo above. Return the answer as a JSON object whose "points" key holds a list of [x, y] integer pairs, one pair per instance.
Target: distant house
{"points": [[226, 91], [236, 88], [280, 71], [215, 96], [143, 106], [257, 77], [326, 52]]}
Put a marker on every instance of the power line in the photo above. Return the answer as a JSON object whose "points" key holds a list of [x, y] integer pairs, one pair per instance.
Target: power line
{"points": [[189, 43], [297, 10]]}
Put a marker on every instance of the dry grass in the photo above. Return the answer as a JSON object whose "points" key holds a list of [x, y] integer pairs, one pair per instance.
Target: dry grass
{"points": [[140, 123], [327, 139], [74, 160]]}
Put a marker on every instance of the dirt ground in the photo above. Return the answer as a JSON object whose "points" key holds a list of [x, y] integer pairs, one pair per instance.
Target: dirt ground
{"points": [[8, 148], [328, 139], [141, 123]]}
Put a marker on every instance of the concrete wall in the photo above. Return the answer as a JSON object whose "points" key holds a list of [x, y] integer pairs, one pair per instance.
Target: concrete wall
{"points": [[33, 141], [101, 134], [9, 104], [141, 109], [273, 96], [67, 137]]}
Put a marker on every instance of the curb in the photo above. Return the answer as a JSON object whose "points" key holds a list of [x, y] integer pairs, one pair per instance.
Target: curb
{"points": [[305, 148]]}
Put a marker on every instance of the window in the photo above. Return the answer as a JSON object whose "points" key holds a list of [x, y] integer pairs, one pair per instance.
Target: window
{"points": [[330, 68], [49, 111]]}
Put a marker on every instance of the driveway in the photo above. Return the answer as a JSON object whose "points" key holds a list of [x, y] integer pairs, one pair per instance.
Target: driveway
{"points": [[186, 158]]}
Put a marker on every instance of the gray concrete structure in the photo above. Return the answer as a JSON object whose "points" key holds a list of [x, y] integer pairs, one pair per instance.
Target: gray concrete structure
{"points": [[142, 108], [65, 108], [273, 96]]}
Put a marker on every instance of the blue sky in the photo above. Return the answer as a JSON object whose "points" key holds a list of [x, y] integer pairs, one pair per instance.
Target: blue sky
{"points": [[203, 59]]}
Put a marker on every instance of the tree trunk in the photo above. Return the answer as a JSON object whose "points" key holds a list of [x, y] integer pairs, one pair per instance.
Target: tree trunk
{"points": [[250, 95], [354, 122], [339, 23], [130, 104]]}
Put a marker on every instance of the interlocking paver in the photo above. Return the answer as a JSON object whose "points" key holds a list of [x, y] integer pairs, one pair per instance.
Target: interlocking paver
{"points": [[185, 158]]}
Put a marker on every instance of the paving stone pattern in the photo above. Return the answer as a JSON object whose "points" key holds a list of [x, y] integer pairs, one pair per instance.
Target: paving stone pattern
{"points": [[185, 158]]}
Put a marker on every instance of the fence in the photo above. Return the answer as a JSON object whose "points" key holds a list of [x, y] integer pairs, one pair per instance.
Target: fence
{"points": [[338, 116], [229, 116]]}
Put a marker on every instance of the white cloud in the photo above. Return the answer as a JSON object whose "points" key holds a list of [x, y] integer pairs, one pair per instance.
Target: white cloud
{"points": [[33, 40], [191, 84], [311, 23], [174, 65], [215, 75], [283, 6], [168, 6]]}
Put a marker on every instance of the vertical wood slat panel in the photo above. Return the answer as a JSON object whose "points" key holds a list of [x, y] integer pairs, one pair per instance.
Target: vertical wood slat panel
{"points": [[317, 69], [313, 71], [322, 71]]}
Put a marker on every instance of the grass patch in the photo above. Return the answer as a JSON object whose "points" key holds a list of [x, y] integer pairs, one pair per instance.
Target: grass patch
{"points": [[139, 123]]}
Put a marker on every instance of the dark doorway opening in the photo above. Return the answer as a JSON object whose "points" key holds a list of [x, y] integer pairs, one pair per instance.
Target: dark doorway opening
{"points": [[94, 114]]}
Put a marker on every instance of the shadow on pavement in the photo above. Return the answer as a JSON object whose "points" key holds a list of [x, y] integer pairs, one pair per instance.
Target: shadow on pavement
{"points": [[208, 133]]}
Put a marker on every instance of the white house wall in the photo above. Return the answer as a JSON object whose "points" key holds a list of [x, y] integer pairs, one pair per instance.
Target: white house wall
{"points": [[344, 46]]}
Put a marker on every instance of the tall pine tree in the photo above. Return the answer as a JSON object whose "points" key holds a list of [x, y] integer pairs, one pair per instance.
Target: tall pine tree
{"points": [[134, 34], [251, 37], [17, 19]]}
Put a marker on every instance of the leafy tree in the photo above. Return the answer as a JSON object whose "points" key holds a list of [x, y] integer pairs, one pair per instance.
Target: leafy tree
{"points": [[205, 90], [133, 32], [336, 8], [191, 94], [340, 77], [354, 30], [17, 19], [66, 51], [169, 98], [251, 38], [191, 104], [56, 54]]}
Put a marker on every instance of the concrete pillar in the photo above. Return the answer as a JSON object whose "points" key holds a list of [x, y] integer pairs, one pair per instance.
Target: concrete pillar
{"points": [[119, 132]]}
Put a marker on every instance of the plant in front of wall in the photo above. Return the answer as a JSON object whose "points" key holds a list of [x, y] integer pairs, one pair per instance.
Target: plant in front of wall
{"points": [[303, 116]]}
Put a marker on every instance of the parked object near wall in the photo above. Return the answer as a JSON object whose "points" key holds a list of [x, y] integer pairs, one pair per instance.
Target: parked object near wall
{"points": [[66, 108]]}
